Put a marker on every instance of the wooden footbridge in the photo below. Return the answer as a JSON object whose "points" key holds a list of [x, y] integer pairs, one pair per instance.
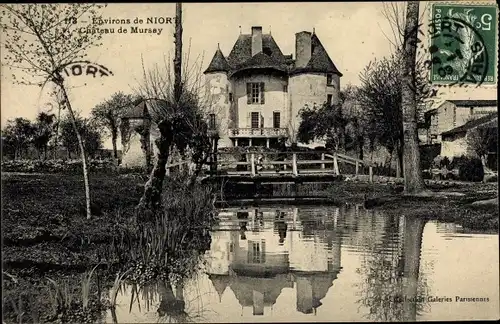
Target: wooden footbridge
{"points": [[280, 165]]}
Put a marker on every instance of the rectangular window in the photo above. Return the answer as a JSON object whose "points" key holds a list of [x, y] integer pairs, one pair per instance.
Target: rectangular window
{"points": [[230, 97], [256, 252], [276, 119], [329, 79], [329, 99], [285, 88], [255, 93], [255, 118], [211, 123]]}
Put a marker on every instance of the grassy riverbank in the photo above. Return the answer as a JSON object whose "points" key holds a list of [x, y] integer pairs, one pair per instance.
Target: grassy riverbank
{"points": [[44, 222], [47, 237], [46, 234], [448, 202]]}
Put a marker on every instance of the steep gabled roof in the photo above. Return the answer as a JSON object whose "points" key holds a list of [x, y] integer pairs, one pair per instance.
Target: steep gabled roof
{"points": [[320, 60], [220, 283], [482, 121], [243, 288], [271, 57], [218, 63], [139, 111], [474, 103], [262, 61], [242, 51]]}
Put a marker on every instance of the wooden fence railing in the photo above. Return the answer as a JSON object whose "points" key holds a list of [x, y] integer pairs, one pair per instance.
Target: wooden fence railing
{"points": [[289, 163], [281, 163]]}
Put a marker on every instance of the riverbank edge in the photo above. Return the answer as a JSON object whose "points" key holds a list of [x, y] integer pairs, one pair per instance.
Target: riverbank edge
{"points": [[59, 230]]}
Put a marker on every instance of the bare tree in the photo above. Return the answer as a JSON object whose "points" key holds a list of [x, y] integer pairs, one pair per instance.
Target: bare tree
{"points": [[41, 40], [404, 40], [414, 182], [176, 110]]}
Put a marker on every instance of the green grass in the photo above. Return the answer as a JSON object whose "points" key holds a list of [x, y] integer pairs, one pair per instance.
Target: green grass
{"points": [[47, 236]]}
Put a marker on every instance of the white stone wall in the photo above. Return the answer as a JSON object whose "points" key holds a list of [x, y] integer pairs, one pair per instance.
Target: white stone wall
{"points": [[463, 115], [133, 155], [451, 148], [449, 116], [217, 89], [275, 99], [310, 89], [219, 256]]}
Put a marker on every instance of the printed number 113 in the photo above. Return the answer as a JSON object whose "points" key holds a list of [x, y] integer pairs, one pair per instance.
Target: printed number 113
{"points": [[70, 20]]}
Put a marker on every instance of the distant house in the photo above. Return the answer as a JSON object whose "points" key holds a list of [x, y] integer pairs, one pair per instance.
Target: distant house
{"points": [[454, 141], [452, 114], [133, 151]]}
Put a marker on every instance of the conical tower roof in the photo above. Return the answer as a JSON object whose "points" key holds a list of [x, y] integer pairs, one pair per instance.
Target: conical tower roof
{"points": [[220, 283], [218, 63]]}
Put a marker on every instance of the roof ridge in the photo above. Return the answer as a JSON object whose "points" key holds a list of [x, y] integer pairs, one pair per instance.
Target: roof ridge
{"points": [[473, 123], [218, 63]]}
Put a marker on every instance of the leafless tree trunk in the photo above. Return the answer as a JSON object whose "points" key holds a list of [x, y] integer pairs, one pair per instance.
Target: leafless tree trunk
{"points": [[178, 52], [56, 136], [80, 145], [412, 174], [146, 142], [151, 199], [414, 228]]}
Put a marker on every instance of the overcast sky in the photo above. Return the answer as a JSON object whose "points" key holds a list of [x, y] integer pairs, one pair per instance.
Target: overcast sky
{"points": [[352, 33]]}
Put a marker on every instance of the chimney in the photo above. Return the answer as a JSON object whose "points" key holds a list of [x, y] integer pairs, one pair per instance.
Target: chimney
{"points": [[256, 40], [302, 48]]}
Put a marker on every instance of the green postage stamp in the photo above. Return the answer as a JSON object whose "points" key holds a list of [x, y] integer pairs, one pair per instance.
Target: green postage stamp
{"points": [[463, 43]]}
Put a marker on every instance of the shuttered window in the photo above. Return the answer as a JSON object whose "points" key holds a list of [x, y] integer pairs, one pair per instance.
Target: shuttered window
{"points": [[255, 93], [276, 119], [256, 252], [255, 116]]}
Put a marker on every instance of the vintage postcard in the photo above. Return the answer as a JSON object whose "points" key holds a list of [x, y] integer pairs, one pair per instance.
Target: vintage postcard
{"points": [[249, 162]]}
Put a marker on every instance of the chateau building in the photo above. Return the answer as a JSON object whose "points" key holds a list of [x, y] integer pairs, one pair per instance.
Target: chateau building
{"points": [[256, 92]]}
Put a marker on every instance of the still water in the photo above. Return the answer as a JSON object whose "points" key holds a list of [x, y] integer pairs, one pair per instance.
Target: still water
{"points": [[311, 264]]}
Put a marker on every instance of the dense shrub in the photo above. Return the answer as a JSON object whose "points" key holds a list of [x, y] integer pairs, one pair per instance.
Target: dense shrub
{"points": [[429, 154], [440, 162], [56, 166], [469, 168], [167, 244]]}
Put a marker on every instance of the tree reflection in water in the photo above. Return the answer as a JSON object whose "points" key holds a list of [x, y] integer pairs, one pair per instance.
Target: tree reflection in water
{"points": [[393, 289], [168, 300]]}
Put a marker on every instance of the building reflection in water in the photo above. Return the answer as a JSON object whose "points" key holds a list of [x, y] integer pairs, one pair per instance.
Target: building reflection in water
{"points": [[257, 253]]}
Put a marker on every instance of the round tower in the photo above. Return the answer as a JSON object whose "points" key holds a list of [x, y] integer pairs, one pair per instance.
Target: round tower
{"points": [[217, 90], [314, 79]]}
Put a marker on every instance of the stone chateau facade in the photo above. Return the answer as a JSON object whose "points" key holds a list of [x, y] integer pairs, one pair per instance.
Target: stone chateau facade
{"points": [[255, 93]]}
